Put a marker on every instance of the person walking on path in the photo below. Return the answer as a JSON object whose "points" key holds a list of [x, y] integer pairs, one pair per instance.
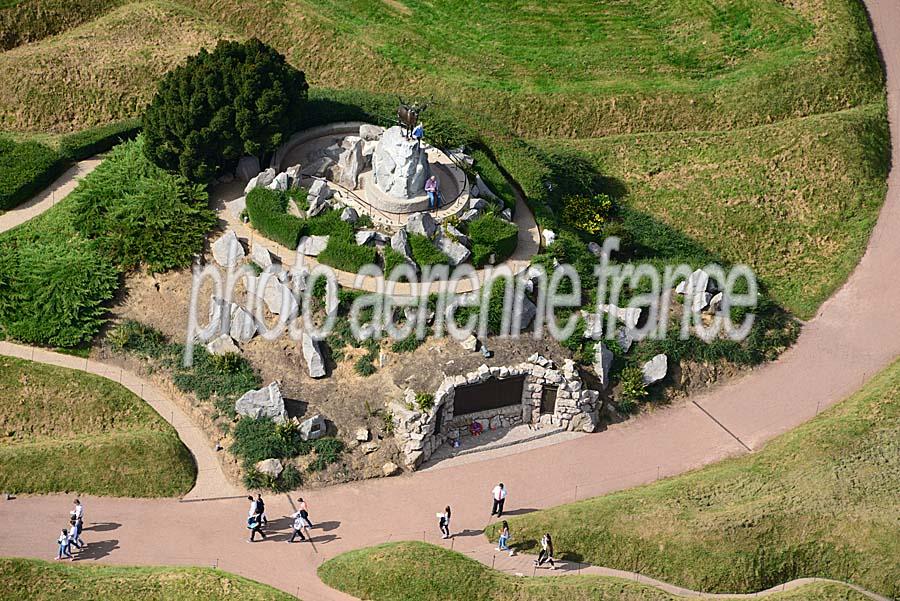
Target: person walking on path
{"points": [[503, 542], [444, 522], [499, 495], [301, 523], [254, 523], [302, 506], [75, 525], [261, 510], [546, 553], [431, 188], [63, 542]]}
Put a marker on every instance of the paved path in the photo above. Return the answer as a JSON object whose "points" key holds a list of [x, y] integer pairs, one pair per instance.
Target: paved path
{"points": [[854, 336], [58, 190]]}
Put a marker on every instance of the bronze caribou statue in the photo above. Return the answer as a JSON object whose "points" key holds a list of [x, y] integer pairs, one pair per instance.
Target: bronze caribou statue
{"points": [[408, 116]]}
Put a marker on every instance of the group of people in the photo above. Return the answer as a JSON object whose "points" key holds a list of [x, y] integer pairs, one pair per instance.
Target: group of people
{"points": [[71, 536], [498, 496], [256, 520]]}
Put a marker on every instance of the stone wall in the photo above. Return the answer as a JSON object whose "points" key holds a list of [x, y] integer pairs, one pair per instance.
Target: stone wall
{"points": [[576, 407]]}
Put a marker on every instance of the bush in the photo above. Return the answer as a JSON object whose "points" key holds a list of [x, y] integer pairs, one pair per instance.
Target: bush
{"points": [[425, 253], [391, 259], [25, 169], [135, 337], [54, 292], [345, 254], [328, 451], [267, 210], [424, 401], [408, 344], [492, 235], [243, 98], [210, 376], [587, 214], [631, 389], [137, 213], [257, 439], [95, 140]]}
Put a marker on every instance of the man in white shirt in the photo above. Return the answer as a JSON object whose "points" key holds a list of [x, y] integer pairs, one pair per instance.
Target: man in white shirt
{"points": [[499, 495]]}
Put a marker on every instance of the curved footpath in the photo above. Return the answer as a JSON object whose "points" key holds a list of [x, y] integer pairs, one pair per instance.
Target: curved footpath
{"points": [[854, 336]]}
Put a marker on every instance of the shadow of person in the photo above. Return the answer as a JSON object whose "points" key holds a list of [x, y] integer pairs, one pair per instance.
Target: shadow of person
{"points": [[98, 550], [324, 539], [521, 511], [466, 532], [102, 527], [327, 526]]}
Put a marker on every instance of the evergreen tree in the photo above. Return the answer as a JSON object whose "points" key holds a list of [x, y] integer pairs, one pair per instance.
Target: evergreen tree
{"points": [[242, 98]]}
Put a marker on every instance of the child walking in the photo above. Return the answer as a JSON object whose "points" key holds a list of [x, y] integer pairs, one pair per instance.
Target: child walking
{"points": [[63, 542]]}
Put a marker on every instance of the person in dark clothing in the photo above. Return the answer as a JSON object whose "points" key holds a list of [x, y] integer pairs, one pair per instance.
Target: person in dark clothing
{"points": [[444, 522], [546, 553]]}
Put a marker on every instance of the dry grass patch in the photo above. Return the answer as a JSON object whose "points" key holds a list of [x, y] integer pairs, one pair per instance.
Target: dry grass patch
{"points": [[101, 71]]}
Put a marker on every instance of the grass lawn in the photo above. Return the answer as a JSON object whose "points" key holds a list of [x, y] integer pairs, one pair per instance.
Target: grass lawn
{"points": [[64, 430], [33, 580], [795, 200], [819, 501], [415, 571]]}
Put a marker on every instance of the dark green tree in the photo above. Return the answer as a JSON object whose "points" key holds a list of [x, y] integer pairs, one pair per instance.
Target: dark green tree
{"points": [[242, 98]]}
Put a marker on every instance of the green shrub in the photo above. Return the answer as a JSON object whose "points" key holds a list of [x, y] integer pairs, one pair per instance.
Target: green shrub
{"points": [[328, 451], [329, 224], [54, 292], [632, 390], [257, 439], [95, 140], [492, 235], [345, 254], [587, 214], [391, 259], [243, 98], [209, 377], [365, 366], [268, 214], [408, 344], [137, 213], [424, 401], [25, 169], [425, 253], [135, 337]]}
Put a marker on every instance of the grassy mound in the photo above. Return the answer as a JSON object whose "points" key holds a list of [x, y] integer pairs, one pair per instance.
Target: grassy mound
{"points": [[101, 71], [66, 430], [31, 579], [413, 571], [797, 197], [818, 501]]}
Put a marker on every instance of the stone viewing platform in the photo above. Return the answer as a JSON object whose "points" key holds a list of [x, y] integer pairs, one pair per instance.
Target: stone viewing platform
{"points": [[377, 171]]}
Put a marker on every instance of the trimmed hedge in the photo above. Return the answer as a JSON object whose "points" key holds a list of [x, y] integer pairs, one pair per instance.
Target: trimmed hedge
{"points": [[492, 235], [268, 214], [88, 142], [391, 259], [345, 254], [425, 253], [26, 168]]}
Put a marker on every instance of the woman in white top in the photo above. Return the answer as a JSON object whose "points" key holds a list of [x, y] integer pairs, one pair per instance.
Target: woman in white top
{"points": [[444, 522]]}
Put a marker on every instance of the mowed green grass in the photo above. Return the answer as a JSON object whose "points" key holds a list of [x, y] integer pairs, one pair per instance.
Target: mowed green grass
{"points": [[64, 430], [795, 200], [415, 571], [34, 580], [820, 501]]}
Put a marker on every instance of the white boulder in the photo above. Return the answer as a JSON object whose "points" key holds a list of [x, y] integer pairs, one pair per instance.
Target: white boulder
{"points": [[222, 345], [315, 362], [370, 132], [227, 250], [269, 467], [655, 369], [400, 166], [263, 403], [312, 246], [351, 163]]}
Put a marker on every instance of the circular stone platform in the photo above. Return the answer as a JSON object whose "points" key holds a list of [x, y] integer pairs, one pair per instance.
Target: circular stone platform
{"points": [[309, 148]]}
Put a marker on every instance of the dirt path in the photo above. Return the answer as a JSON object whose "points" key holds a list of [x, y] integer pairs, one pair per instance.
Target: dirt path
{"points": [[854, 336]]}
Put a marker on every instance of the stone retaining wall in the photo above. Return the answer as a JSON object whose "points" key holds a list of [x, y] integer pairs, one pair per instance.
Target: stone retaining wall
{"points": [[576, 407]]}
